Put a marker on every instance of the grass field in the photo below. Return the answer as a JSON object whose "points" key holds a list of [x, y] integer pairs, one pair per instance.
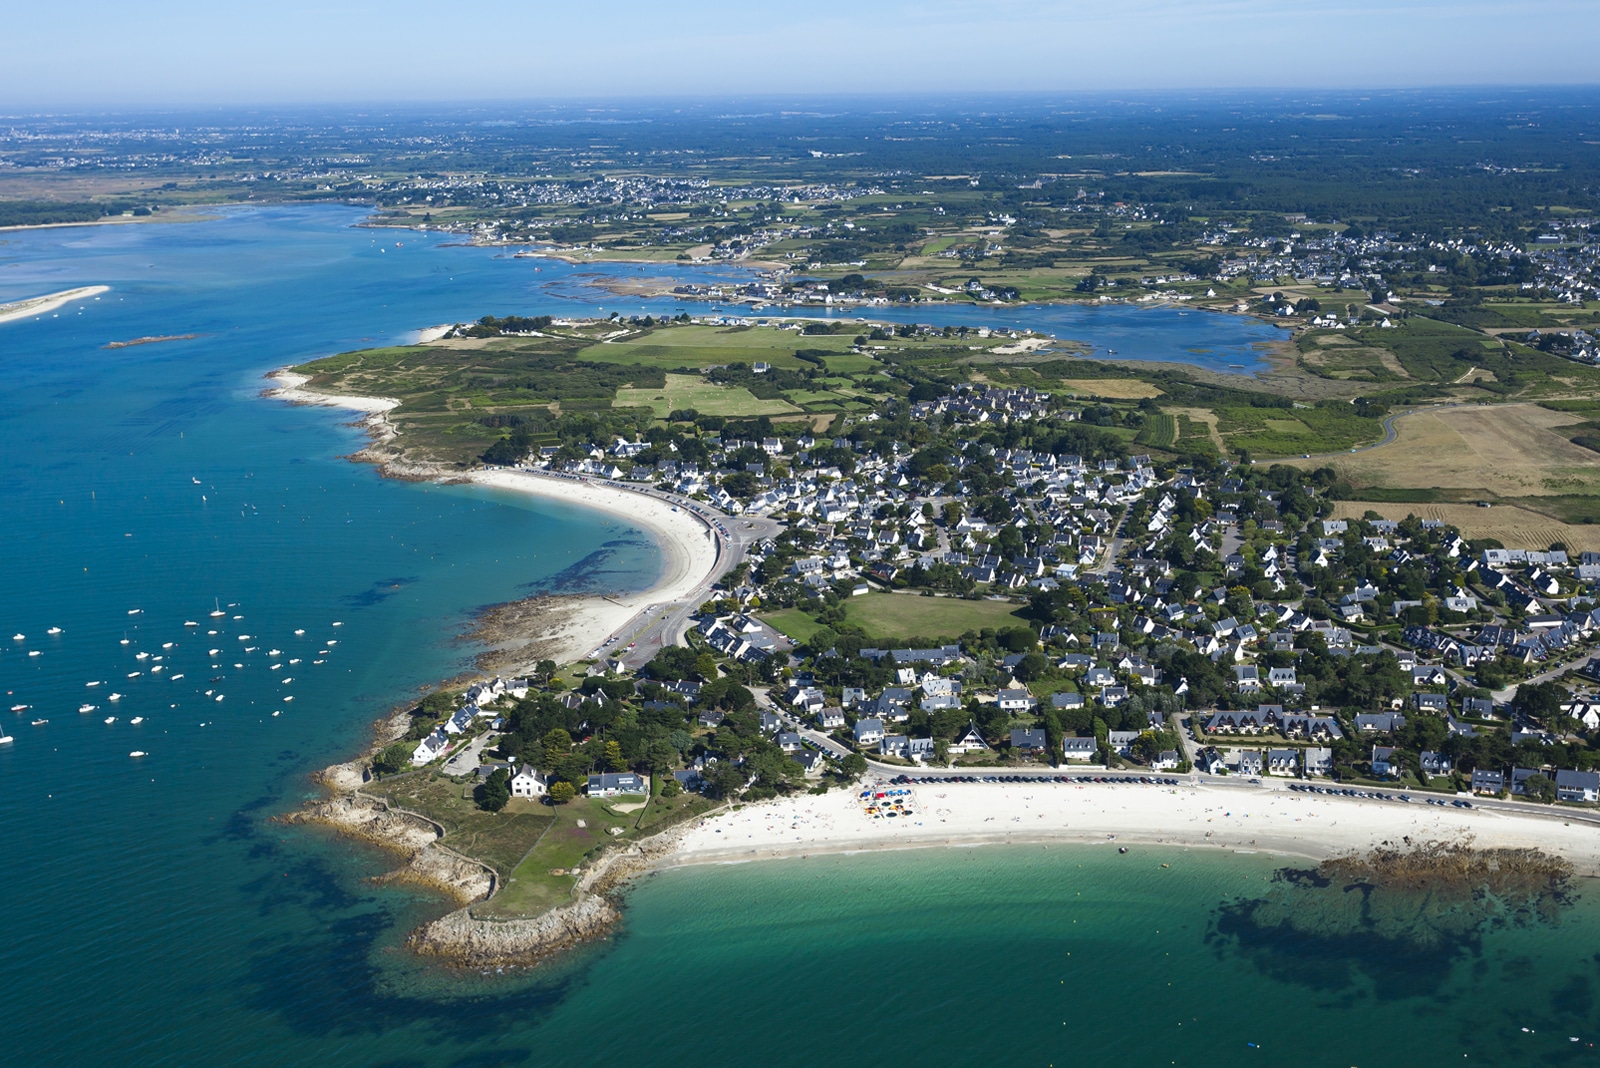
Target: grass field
{"points": [[706, 346], [707, 398], [500, 839], [1111, 388], [531, 887], [1507, 450], [898, 617], [793, 623]]}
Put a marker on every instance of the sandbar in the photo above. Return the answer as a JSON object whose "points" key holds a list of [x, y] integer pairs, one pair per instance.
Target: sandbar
{"points": [[49, 302]]}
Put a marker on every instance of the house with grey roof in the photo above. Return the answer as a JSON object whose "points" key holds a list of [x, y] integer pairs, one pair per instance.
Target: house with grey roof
{"points": [[869, 731], [1577, 785], [1080, 749], [1028, 740]]}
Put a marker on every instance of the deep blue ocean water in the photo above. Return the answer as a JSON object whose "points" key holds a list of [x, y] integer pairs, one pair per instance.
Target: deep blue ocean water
{"points": [[154, 917]]}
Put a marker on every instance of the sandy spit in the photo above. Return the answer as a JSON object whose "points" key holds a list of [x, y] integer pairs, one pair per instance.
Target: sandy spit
{"points": [[49, 302]]}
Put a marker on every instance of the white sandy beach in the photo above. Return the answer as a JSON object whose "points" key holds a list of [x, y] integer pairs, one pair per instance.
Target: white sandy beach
{"points": [[49, 302], [1265, 821], [688, 551]]}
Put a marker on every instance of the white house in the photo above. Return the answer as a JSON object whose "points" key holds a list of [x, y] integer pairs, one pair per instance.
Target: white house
{"points": [[529, 782]]}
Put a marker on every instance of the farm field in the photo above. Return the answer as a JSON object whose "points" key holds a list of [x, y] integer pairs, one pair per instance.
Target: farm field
{"points": [[1111, 388], [707, 398], [1513, 526], [1508, 450], [705, 346]]}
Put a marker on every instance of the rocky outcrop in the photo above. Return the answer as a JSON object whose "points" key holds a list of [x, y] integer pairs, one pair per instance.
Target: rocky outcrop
{"points": [[461, 939], [439, 869], [465, 940], [372, 821], [427, 863]]}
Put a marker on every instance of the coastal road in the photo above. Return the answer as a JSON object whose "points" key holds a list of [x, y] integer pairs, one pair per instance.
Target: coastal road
{"points": [[665, 624]]}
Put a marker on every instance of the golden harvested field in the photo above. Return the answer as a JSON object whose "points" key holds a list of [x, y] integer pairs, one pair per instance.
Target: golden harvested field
{"points": [[1511, 450], [1513, 527], [1112, 388]]}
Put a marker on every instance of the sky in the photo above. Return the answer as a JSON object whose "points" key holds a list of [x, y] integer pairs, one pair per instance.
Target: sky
{"points": [[115, 54]]}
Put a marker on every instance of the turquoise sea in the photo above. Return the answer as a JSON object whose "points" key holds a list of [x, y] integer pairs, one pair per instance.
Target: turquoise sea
{"points": [[153, 915]]}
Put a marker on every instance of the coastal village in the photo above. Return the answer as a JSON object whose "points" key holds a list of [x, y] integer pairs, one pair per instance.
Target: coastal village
{"points": [[1085, 607]]}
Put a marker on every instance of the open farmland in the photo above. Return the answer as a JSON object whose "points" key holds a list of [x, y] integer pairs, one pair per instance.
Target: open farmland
{"points": [[1511, 525], [1110, 388], [707, 346], [1510, 450]]}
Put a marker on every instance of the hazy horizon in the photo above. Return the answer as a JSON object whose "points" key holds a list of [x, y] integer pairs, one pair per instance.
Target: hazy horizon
{"points": [[177, 54]]}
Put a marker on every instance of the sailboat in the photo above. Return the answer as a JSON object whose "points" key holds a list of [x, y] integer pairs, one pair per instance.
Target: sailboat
{"points": [[218, 613], [6, 739]]}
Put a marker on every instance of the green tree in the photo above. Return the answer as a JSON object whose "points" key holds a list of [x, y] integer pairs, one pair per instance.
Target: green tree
{"points": [[493, 792], [1540, 788], [705, 665], [854, 765], [671, 788], [393, 758], [613, 756], [557, 744], [562, 792]]}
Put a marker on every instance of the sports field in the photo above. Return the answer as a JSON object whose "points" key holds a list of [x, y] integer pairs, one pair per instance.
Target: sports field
{"points": [[899, 617]]}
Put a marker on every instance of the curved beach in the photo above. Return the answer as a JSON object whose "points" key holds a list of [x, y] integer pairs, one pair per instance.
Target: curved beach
{"points": [[1277, 821], [691, 556]]}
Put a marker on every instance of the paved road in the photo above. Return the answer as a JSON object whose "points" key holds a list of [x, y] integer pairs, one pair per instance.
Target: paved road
{"points": [[665, 623]]}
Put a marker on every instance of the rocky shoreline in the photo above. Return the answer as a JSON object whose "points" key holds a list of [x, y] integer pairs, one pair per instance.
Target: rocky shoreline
{"points": [[459, 938], [467, 941]]}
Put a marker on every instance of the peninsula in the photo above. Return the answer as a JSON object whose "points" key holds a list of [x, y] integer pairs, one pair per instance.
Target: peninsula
{"points": [[924, 587]]}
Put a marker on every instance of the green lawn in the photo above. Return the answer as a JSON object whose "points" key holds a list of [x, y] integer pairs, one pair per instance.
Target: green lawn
{"points": [[793, 623], [531, 888], [500, 839], [707, 398], [898, 617]]}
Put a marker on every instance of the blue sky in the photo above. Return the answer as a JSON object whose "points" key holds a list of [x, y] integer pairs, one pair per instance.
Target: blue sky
{"points": [[182, 52]]}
